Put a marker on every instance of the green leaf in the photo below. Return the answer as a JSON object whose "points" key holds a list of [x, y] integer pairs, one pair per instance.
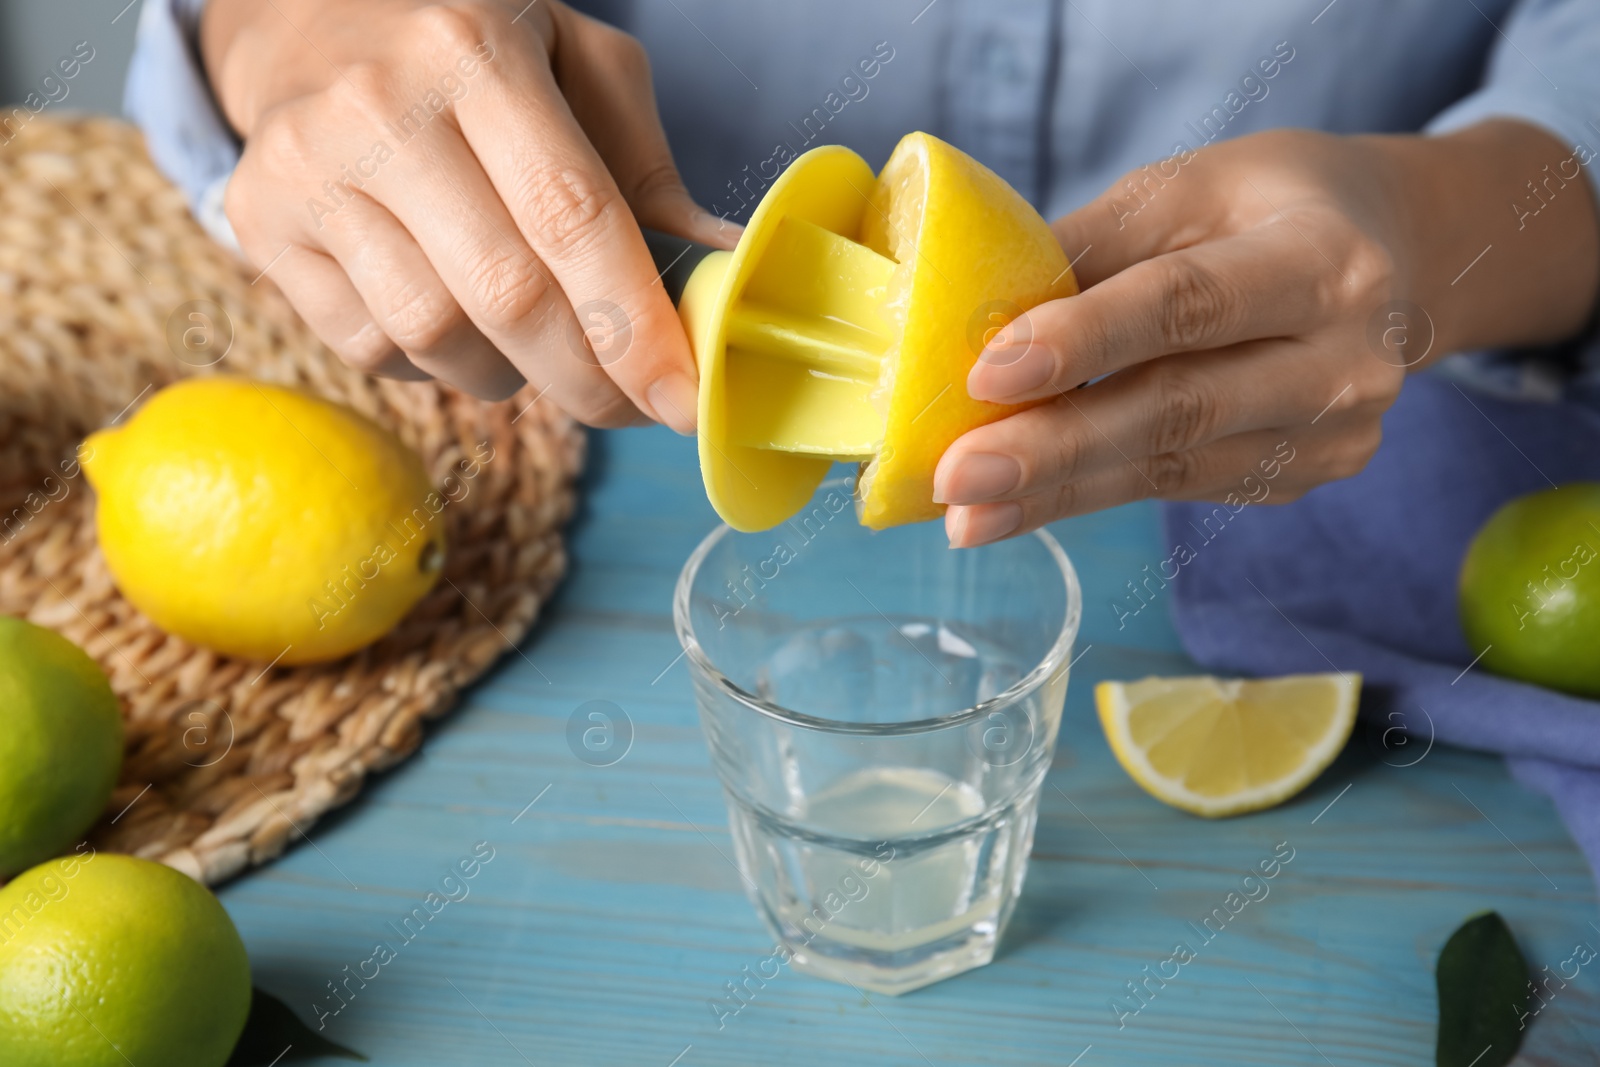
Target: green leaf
{"points": [[1483, 995], [274, 1034]]}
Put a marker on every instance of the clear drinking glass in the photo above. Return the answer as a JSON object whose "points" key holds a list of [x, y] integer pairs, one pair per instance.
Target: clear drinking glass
{"points": [[881, 711]]}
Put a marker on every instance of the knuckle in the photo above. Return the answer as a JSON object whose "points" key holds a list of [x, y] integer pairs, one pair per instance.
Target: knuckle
{"points": [[1198, 307], [1095, 340], [634, 60], [242, 206], [364, 91], [624, 55], [1357, 451], [1167, 473], [367, 350], [1068, 499], [1371, 269], [1375, 389], [1329, 294], [566, 207], [418, 319], [606, 409], [1365, 269], [659, 180], [452, 28], [1065, 459], [1362, 396], [282, 145], [506, 290], [1185, 410]]}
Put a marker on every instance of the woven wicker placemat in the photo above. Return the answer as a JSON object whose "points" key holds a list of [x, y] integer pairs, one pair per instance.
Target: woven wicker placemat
{"points": [[227, 761]]}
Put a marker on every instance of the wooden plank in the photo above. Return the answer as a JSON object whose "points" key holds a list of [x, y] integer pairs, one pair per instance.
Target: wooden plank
{"points": [[611, 916]]}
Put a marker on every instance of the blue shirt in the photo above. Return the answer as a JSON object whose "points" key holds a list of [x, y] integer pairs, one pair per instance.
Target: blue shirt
{"points": [[1060, 98]]}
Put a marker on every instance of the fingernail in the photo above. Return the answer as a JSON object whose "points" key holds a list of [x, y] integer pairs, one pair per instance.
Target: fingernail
{"points": [[673, 399], [975, 478], [1006, 374], [968, 527]]}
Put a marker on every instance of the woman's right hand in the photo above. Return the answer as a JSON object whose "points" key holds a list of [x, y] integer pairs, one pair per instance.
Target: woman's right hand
{"points": [[455, 190]]}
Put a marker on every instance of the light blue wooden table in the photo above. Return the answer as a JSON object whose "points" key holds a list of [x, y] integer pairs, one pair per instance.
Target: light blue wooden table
{"points": [[611, 916]]}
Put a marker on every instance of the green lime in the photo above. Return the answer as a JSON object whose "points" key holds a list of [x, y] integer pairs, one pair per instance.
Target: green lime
{"points": [[60, 744], [108, 960], [1530, 589]]}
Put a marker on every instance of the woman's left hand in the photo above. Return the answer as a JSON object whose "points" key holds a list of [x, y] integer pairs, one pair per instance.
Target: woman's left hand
{"points": [[1250, 312]]}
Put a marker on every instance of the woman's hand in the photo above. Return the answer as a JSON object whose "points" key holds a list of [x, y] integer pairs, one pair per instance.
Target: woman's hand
{"points": [[1264, 299], [450, 190]]}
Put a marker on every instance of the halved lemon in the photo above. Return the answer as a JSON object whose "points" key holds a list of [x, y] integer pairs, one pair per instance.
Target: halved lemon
{"points": [[971, 254], [843, 327], [1224, 746]]}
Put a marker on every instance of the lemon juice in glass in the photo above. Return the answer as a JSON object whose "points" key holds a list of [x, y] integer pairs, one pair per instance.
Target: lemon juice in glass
{"points": [[881, 711]]}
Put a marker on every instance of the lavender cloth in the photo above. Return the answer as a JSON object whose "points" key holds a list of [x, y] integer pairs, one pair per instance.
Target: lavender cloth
{"points": [[1360, 575]]}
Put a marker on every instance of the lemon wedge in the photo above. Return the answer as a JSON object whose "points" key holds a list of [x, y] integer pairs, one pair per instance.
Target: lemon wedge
{"points": [[1224, 746]]}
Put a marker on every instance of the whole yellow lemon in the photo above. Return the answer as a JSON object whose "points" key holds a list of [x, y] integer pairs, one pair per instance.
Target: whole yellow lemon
{"points": [[264, 522]]}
